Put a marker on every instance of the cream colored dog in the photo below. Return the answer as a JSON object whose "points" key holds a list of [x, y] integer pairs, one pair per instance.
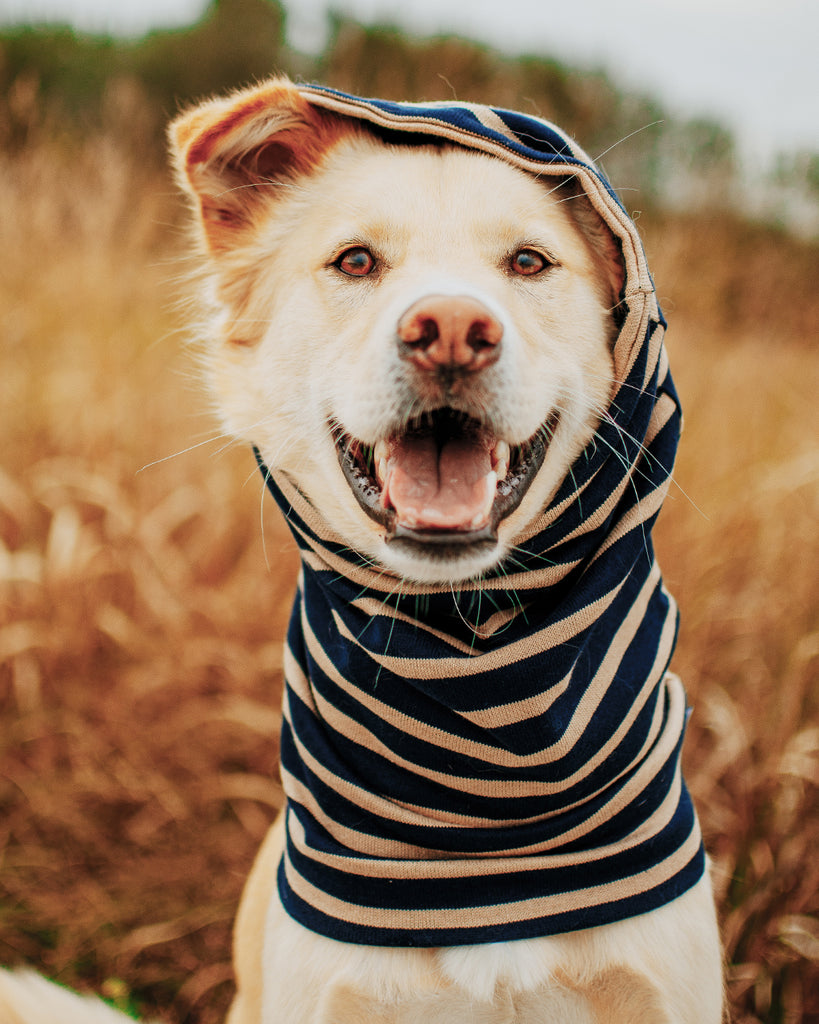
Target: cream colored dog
{"points": [[353, 286]]}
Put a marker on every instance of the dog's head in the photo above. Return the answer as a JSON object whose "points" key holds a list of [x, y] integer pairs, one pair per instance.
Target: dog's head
{"points": [[417, 333]]}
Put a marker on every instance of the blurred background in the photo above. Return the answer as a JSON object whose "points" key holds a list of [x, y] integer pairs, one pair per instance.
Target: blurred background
{"points": [[144, 583]]}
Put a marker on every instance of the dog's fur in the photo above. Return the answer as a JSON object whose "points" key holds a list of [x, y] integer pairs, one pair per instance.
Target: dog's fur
{"points": [[291, 204]]}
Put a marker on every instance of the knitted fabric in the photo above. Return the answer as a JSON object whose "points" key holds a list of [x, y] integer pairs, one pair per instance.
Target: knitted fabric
{"points": [[500, 761]]}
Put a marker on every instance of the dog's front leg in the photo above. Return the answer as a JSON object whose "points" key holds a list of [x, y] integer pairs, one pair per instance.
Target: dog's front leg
{"points": [[248, 949]]}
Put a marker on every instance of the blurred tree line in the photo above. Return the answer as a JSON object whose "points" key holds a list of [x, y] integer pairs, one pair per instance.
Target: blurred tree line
{"points": [[132, 88]]}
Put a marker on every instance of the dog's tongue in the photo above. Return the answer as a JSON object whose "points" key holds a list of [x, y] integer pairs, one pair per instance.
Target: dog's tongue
{"points": [[440, 485]]}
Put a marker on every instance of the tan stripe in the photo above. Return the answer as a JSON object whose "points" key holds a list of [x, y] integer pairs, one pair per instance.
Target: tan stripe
{"points": [[387, 849], [549, 515], [529, 646], [497, 914], [486, 718], [377, 608], [502, 715], [380, 607], [596, 518], [665, 408], [353, 731], [653, 358], [489, 119], [372, 846], [629, 343], [652, 761], [635, 517], [512, 582], [418, 863], [409, 813], [498, 621], [520, 711], [663, 411], [516, 711]]}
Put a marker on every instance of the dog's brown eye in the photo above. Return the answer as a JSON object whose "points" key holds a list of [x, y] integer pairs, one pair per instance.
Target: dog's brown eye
{"points": [[527, 263], [356, 262]]}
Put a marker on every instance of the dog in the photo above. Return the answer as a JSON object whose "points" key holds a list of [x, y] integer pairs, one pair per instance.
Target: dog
{"points": [[436, 326]]}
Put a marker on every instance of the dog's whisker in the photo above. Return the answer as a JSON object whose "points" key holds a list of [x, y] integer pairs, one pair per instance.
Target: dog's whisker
{"points": [[397, 593], [265, 490], [539, 558], [625, 138], [473, 629], [190, 448]]}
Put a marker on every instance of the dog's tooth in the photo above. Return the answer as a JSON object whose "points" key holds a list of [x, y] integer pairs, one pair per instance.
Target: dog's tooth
{"points": [[500, 459], [480, 517], [380, 456]]}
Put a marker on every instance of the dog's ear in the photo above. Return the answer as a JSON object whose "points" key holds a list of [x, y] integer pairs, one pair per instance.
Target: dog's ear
{"points": [[230, 154]]}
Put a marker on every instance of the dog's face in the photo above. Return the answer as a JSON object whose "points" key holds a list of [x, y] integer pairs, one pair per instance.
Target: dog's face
{"points": [[419, 335]]}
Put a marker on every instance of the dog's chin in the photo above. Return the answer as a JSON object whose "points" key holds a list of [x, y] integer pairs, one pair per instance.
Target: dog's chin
{"points": [[441, 492], [434, 564]]}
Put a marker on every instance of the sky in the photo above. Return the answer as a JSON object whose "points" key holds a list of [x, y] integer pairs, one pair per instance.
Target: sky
{"points": [[751, 64]]}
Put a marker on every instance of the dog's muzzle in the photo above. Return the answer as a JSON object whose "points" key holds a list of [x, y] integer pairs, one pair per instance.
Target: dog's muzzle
{"points": [[445, 479]]}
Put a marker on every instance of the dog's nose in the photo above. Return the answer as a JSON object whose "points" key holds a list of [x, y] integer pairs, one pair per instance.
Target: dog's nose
{"points": [[449, 332]]}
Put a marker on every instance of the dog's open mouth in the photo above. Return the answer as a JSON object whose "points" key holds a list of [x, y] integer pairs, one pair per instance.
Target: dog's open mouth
{"points": [[446, 479]]}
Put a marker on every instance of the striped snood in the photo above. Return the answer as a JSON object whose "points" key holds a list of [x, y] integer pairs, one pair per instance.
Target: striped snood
{"points": [[501, 761]]}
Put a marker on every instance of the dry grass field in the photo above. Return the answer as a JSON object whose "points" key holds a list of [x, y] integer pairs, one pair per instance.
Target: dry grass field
{"points": [[141, 619]]}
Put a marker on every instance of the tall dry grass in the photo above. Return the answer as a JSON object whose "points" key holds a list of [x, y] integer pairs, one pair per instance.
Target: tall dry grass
{"points": [[140, 627]]}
